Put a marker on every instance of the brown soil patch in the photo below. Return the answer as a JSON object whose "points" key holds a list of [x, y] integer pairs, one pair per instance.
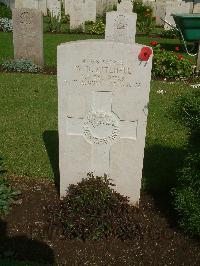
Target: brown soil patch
{"points": [[25, 234]]}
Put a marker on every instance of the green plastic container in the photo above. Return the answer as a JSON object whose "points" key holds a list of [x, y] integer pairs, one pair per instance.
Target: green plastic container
{"points": [[189, 24]]}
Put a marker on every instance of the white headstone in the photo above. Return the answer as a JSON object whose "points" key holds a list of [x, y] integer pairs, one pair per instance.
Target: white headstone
{"points": [[77, 18], [196, 6], [33, 4], [28, 34], [175, 8], [103, 91], [120, 27], [90, 10], [68, 6], [54, 7], [125, 6], [81, 11]]}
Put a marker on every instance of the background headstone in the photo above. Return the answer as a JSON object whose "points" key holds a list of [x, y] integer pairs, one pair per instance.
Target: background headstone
{"points": [[54, 7], [32, 4], [103, 93], [81, 11], [77, 18], [28, 35], [68, 6], [125, 6], [175, 7], [196, 6], [120, 27]]}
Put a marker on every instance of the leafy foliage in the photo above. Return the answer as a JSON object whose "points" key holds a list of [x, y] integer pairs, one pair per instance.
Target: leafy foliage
{"points": [[171, 34], [187, 109], [7, 194], [145, 21], [187, 193], [20, 65], [54, 24], [167, 64], [92, 210], [5, 12], [96, 28], [6, 25]]}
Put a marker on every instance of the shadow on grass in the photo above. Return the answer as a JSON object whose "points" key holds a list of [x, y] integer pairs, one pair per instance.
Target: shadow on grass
{"points": [[160, 174], [20, 250], [50, 138]]}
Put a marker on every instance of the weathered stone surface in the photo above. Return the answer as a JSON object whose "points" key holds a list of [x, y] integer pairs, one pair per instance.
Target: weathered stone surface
{"points": [[175, 7], [120, 27], [103, 91], [32, 4], [125, 6], [54, 7], [196, 6], [28, 35], [103, 5], [81, 11], [68, 6]]}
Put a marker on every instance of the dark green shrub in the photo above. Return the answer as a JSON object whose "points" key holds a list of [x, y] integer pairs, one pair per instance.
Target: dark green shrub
{"points": [[145, 21], [92, 210], [167, 64], [187, 195], [5, 12], [20, 65], [171, 34], [95, 28], [187, 109], [8, 195]]}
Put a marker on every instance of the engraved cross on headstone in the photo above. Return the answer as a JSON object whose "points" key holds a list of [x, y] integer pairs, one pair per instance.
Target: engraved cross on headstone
{"points": [[101, 128]]}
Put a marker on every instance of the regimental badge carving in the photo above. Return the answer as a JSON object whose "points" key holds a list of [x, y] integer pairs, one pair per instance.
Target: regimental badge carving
{"points": [[120, 22], [101, 127], [25, 19]]}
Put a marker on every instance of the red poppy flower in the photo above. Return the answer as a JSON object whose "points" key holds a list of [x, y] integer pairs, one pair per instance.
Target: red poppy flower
{"points": [[154, 43], [177, 48], [180, 57], [145, 53]]}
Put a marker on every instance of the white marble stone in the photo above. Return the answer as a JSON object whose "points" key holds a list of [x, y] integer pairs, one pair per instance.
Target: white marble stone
{"points": [[28, 34], [105, 5], [81, 11], [32, 4], [196, 6], [175, 8], [125, 6], [120, 27], [103, 93], [68, 6], [77, 18], [54, 7]]}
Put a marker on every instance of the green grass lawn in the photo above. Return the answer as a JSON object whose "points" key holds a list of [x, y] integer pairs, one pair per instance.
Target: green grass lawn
{"points": [[29, 137], [51, 41]]}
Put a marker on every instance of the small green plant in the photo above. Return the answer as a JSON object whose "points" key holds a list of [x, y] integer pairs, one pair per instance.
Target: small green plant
{"points": [[187, 109], [54, 23], [5, 12], [20, 65], [171, 34], [171, 65], [8, 195], [6, 25], [92, 210], [187, 195], [77, 30], [95, 28], [145, 21]]}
